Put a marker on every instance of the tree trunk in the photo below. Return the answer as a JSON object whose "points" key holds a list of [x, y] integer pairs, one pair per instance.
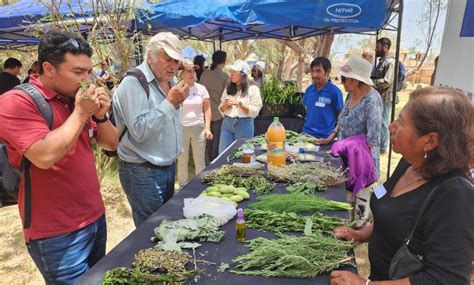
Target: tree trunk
{"points": [[281, 60], [431, 31], [326, 46], [299, 71]]}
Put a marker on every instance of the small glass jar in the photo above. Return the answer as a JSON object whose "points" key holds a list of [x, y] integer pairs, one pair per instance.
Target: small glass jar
{"points": [[248, 155]]}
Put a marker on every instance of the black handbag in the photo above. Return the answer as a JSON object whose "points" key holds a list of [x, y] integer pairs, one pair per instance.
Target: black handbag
{"points": [[404, 263]]}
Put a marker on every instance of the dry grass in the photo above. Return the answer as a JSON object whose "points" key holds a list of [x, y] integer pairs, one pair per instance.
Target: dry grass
{"points": [[16, 266]]}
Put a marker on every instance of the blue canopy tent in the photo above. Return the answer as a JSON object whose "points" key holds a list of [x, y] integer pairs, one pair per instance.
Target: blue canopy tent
{"points": [[19, 21], [279, 19], [225, 20]]}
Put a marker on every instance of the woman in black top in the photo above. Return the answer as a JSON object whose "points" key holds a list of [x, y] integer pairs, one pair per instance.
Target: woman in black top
{"points": [[435, 134]]}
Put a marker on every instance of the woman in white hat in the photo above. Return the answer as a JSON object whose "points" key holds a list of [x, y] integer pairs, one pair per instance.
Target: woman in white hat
{"points": [[196, 121], [240, 104], [362, 114]]}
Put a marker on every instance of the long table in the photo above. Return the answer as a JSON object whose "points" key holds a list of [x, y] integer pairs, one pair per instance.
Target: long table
{"points": [[217, 253]]}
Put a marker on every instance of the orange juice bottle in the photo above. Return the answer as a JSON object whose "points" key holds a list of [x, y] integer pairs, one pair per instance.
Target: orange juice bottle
{"points": [[276, 143]]}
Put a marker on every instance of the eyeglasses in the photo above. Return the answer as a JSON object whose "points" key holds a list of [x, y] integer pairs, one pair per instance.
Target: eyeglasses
{"points": [[71, 43], [343, 79]]}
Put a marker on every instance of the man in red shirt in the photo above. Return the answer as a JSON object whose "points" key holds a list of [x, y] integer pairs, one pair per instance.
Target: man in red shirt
{"points": [[68, 230]]}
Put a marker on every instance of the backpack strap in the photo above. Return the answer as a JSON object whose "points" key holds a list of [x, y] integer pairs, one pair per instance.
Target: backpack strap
{"points": [[140, 76], [45, 109]]}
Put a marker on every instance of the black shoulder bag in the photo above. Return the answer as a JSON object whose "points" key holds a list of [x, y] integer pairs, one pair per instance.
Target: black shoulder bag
{"points": [[404, 263]]}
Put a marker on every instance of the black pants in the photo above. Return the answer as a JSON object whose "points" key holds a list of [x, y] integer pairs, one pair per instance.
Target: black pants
{"points": [[212, 147]]}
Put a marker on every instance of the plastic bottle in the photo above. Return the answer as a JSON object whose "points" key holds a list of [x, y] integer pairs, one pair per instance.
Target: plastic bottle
{"points": [[240, 225], [276, 137]]}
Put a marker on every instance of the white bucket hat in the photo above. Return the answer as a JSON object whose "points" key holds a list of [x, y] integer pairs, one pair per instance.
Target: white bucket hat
{"points": [[240, 65], [170, 44], [357, 68]]}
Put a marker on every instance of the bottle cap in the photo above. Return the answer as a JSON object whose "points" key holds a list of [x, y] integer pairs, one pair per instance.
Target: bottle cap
{"points": [[240, 214], [276, 119]]}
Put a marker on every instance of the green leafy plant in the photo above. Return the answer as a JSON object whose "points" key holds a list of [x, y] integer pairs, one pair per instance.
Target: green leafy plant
{"points": [[275, 92], [291, 222], [297, 203], [295, 257]]}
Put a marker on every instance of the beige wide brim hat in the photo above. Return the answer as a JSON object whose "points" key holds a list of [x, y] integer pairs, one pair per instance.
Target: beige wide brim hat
{"points": [[170, 44], [357, 68]]}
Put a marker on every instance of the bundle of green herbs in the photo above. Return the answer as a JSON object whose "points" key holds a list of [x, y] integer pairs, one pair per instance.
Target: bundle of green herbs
{"points": [[294, 257], [308, 187], [297, 203], [249, 177], [292, 222], [155, 259], [126, 276], [304, 172]]}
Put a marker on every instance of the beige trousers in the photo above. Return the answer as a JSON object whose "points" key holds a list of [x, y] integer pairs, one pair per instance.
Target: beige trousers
{"points": [[192, 136]]}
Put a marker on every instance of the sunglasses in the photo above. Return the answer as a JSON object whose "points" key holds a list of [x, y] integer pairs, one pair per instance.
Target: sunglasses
{"points": [[71, 43], [343, 79]]}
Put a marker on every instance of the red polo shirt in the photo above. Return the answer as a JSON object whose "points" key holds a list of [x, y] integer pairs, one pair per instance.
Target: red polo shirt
{"points": [[65, 197]]}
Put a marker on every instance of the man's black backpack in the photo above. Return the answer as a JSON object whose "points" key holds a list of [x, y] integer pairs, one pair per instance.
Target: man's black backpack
{"points": [[10, 177], [138, 74]]}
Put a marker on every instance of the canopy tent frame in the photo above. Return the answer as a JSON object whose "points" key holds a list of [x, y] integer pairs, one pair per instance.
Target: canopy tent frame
{"points": [[227, 27]]}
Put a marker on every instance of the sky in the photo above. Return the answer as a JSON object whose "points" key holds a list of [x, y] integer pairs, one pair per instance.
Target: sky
{"points": [[412, 34]]}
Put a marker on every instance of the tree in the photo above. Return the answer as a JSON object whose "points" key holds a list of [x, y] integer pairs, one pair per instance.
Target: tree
{"points": [[428, 23], [107, 32]]}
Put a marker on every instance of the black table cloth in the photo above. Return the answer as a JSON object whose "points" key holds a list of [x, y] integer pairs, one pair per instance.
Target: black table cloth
{"points": [[222, 252]]}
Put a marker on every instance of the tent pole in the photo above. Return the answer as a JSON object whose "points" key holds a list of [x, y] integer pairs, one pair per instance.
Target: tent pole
{"points": [[395, 76]]}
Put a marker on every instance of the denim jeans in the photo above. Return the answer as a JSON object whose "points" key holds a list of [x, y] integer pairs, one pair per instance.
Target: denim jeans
{"points": [[147, 187], [384, 134], [233, 129], [65, 258]]}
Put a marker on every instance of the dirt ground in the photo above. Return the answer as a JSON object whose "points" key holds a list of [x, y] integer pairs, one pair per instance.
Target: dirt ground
{"points": [[16, 266]]}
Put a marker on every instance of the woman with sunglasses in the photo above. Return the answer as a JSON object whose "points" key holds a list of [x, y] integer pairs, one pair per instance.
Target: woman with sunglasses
{"points": [[361, 115], [196, 121]]}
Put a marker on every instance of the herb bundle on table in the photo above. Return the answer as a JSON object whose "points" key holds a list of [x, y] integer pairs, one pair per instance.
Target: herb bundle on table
{"points": [[304, 172], [297, 203], [153, 266], [249, 177], [292, 222], [295, 257]]}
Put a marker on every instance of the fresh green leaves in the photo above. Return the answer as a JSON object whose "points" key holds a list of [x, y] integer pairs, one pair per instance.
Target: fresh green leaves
{"points": [[291, 222], [297, 203], [308, 187], [248, 177], [295, 257], [275, 92], [125, 276], [172, 234]]}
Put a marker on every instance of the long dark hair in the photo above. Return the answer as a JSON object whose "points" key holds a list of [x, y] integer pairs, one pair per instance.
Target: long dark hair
{"points": [[448, 113], [218, 57], [232, 88]]}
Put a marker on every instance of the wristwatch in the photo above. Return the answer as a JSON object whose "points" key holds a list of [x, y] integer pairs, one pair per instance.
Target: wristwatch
{"points": [[100, 121]]}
